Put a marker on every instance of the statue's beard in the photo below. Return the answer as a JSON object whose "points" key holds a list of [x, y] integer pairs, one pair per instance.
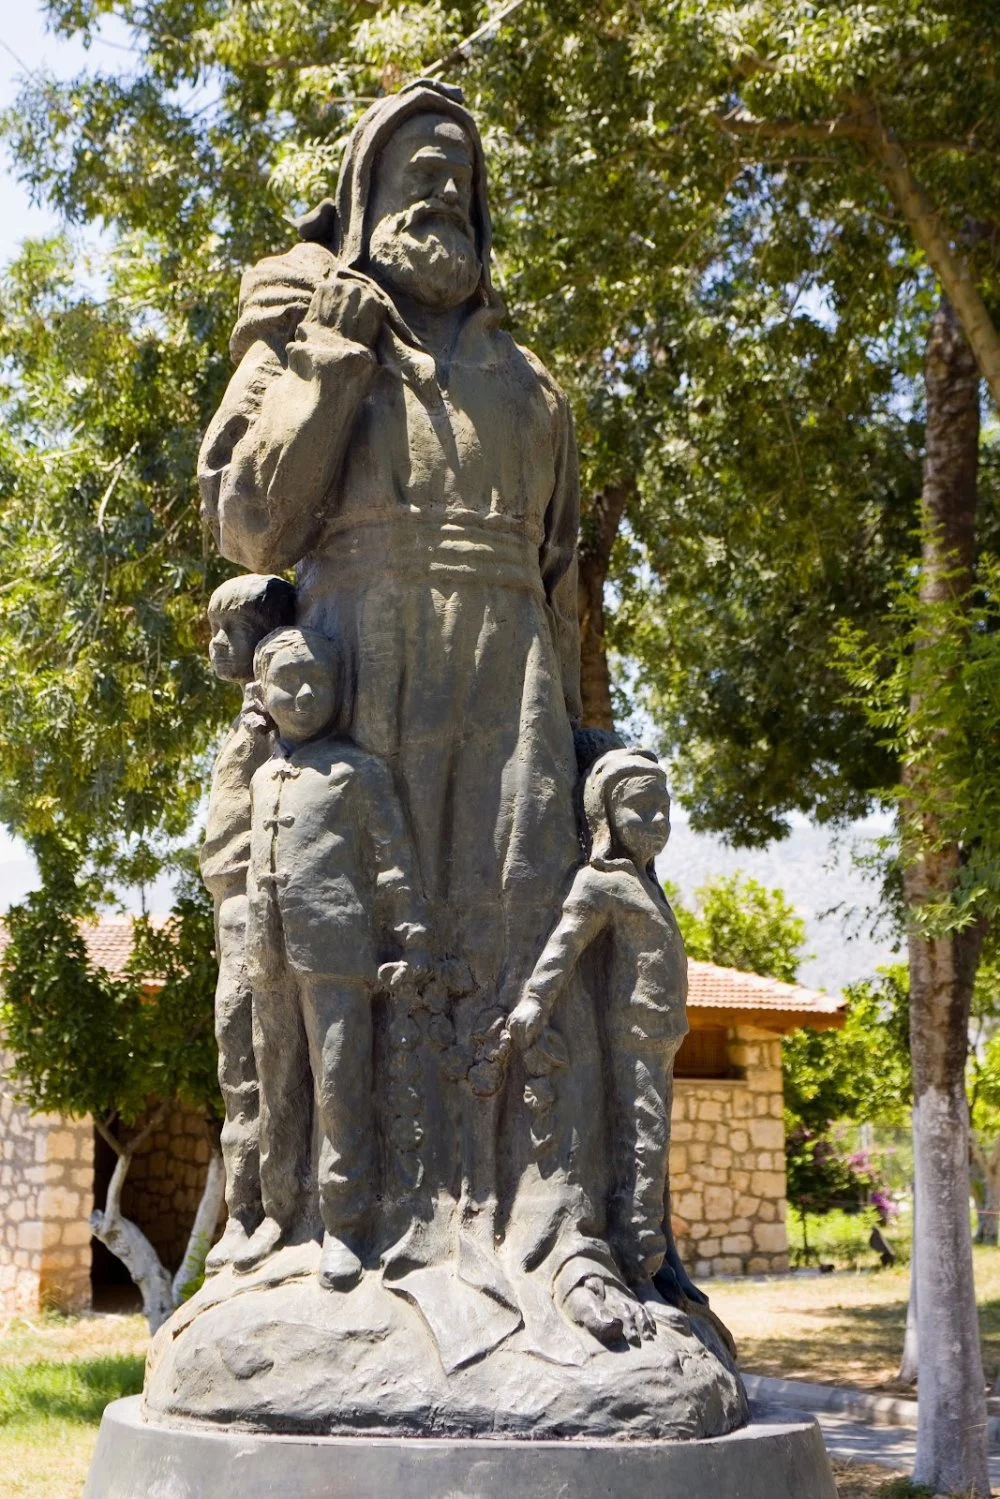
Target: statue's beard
{"points": [[427, 255]]}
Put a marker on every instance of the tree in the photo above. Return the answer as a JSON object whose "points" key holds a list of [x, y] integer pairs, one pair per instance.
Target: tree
{"points": [[85, 1042], [738, 923]]}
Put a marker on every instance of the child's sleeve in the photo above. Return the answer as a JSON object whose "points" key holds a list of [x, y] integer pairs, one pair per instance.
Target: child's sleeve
{"points": [[583, 915], [398, 896]]}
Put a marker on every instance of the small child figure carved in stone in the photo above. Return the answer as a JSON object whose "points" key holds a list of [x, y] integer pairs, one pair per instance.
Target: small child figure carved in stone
{"points": [[240, 612], [330, 890], [616, 896]]}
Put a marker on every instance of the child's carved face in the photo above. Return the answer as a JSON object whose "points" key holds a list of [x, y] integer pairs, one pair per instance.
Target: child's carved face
{"points": [[235, 635], [298, 695], [640, 817]]}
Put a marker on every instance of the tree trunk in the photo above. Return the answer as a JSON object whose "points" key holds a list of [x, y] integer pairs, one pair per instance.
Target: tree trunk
{"points": [[598, 537], [910, 1364], [127, 1241], [192, 1266], [951, 1433], [161, 1294]]}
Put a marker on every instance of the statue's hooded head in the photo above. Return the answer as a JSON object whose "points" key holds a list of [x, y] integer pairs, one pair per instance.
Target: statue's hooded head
{"points": [[411, 207], [605, 792]]}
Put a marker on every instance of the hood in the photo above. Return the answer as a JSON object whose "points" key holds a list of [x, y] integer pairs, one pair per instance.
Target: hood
{"points": [[614, 766], [340, 225]]}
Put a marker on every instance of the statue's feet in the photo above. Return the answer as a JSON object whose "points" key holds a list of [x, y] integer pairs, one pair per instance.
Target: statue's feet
{"points": [[339, 1266], [234, 1241], [268, 1237], [609, 1312]]}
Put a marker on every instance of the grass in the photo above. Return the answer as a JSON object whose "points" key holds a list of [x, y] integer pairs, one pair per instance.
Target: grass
{"points": [[845, 1328], [56, 1376]]}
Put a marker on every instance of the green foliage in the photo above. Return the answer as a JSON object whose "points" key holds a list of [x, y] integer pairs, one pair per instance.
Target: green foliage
{"points": [[860, 1073], [739, 923], [946, 734], [842, 1239], [721, 319], [83, 1041]]}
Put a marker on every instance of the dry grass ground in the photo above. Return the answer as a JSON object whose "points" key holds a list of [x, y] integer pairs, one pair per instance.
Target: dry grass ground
{"points": [[56, 1376], [845, 1328], [863, 1481]]}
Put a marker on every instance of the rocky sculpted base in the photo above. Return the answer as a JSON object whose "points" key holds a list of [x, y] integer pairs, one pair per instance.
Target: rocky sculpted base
{"points": [[274, 1352]]}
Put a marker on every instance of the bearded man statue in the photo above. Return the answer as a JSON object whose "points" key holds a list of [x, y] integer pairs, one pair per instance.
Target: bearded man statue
{"points": [[385, 436]]}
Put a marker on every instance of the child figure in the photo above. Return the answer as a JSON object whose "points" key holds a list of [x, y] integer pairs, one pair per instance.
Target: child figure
{"points": [[329, 882], [617, 895], [240, 612]]}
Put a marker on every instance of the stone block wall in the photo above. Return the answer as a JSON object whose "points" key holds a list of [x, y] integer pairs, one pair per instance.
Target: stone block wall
{"points": [[727, 1163], [165, 1182], [46, 1196]]}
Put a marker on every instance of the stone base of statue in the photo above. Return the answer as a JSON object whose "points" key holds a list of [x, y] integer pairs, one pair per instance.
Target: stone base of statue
{"points": [[432, 1357], [136, 1459]]}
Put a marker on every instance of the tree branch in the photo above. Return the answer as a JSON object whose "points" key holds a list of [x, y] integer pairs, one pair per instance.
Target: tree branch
{"points": [[863, 123], [738, 123], [458, 54], [200, 1238], [944, 258], [108, 1137]]}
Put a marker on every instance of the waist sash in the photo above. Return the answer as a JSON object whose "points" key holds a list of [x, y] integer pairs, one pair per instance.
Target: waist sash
{"points": [[442, 548]]}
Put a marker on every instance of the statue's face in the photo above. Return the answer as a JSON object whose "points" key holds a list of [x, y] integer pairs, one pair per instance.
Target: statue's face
{"points": [[298, 695], [640, 810], [231, 648], [422, 241]]}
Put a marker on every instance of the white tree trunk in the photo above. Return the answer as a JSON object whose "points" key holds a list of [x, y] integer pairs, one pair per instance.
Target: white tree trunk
{"points": [[130, 1245], [909, 1365], [200, 1239], [161, 1294], [951, 1431]]}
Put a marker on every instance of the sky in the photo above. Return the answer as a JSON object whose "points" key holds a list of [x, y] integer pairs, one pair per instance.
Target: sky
{"points": [[816, 872], [25, 47]]}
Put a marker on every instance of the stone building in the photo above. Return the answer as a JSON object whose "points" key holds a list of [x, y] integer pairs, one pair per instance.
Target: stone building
{"points": [[727, 1156]]}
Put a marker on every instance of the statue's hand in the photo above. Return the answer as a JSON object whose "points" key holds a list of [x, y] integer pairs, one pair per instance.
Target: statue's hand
{"points": [[349, 306], [524, 1023], [406, 976]]}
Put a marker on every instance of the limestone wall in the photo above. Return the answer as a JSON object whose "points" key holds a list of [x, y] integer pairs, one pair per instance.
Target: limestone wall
{"points": [[727, 1163], [165, 1183], [46, 1194]]}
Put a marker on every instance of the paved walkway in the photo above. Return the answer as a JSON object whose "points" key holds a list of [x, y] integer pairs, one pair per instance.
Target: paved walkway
{"points": [[893, 1446]]}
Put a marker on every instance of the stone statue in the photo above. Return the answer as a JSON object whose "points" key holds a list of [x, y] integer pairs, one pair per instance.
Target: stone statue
{"points": [[240, 613], [329, 863], [616, 897], [463, 1032]]}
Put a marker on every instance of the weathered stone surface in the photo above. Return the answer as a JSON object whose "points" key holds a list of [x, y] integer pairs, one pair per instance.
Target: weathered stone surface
{"points": [[274, 1351], [768, 1460], [448, 1144]]}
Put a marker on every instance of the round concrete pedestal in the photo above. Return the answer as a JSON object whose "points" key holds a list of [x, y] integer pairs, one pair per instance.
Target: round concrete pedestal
{"points": [[137, 1460]]}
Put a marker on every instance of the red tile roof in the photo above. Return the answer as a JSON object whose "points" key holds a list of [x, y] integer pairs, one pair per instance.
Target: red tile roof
{"points": [[710, 988], [714, 988]]}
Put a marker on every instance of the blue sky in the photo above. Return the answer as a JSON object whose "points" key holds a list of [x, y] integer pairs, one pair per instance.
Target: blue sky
{"points": [[26, 47]]}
